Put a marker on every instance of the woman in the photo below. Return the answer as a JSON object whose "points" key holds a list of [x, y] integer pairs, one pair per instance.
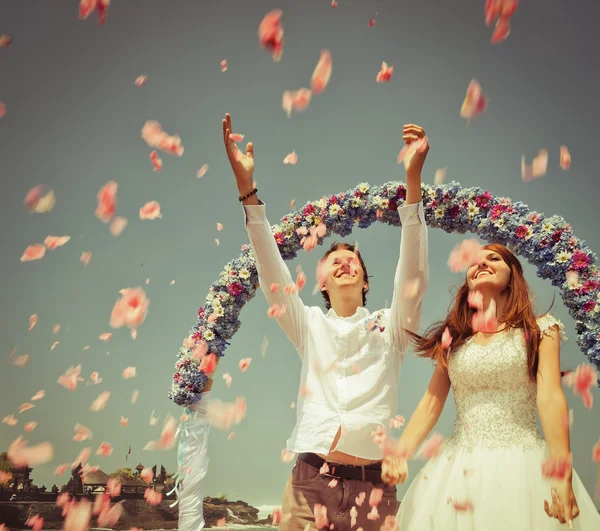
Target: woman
{"points": [[488, 474]]}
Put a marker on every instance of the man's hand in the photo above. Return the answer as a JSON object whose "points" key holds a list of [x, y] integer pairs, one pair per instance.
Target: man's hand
{"points": [[242, 165], [394, 470], [417, 147]]}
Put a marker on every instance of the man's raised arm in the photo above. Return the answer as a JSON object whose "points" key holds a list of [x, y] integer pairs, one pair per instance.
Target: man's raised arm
{"points": [[291, 312], [412, 273], [273, 270]]}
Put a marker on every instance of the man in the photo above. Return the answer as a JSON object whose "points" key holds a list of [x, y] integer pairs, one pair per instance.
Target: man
{"points": [[351, 358]]}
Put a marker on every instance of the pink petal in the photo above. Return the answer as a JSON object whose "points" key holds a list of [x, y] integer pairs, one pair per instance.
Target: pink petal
{"points": [[34, 252], [385, 74], [244, 364], [431, 447], [270, 34], [107, 202], [20, 455], [39, 395], [565, 158], [157, 163], [155, 137], [147, 475], [52, 242], [33, 319], [129, 372], [100, 402], [140, 81], [322, 73], [150, 210], [117, 226], [105, 449], [202, 171], [224, 65], [464, 255], [474, 103], [538, 167], [40, 199], [291, 158]]}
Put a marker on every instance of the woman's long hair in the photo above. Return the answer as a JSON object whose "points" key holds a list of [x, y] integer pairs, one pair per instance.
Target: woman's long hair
{"points": [[518, 313]]}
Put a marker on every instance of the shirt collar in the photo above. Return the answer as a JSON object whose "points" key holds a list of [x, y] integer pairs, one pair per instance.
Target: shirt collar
{"points": [[361, 313]]}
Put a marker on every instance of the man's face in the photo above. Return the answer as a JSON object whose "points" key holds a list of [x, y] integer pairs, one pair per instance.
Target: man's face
{"points": [[342, 270]]}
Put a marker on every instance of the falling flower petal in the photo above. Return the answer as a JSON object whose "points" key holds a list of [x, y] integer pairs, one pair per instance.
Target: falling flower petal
{"points": [[244, 364], [100, 402], [291, 158], [155, 137], [270, 34], [117, 225], [538, 167], [464, 255], [107, 202], [82, 433], [582, 380], [157, 163], [565, 158], [385, 74], [40, 199], [34, 252], [129, 372], [167, 437], [33, 319], [131, 309], [20, 455], [295, 100], [440, 175], [431, 447], [5, 40], [140, 81], [322, 73], [26, 407], [105, 449], [202, 171], [474, 103]]}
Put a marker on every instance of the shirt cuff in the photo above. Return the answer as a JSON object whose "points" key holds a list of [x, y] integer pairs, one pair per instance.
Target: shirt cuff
{"points": [[411, 214], [254, 214]]}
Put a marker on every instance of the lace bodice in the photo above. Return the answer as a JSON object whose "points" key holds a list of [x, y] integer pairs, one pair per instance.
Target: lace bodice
{"points": [[494, 396]]}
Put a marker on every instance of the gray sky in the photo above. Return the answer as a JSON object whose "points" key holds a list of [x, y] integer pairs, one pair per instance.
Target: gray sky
{"points": [[73, 121]]}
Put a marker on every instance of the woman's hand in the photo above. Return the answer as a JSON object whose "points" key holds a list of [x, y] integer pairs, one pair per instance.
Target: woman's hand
{"points": [[564, 505], [242, 165]]}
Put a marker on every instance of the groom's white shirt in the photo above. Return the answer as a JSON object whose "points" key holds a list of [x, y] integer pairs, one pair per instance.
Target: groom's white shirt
{"points": [[349, 375]]}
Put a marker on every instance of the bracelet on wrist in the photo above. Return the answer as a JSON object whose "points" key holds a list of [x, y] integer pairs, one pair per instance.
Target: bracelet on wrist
{"points": [[248, 195]]}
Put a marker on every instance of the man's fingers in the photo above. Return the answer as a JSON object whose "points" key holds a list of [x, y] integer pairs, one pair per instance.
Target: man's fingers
{"points": [[410, 138]]}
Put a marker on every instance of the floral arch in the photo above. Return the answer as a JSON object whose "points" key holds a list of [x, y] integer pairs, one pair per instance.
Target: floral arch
{"points": [[544, 241]]}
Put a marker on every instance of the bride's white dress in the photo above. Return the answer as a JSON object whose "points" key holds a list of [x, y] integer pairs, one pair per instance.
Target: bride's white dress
{"points": [[494, 457]]}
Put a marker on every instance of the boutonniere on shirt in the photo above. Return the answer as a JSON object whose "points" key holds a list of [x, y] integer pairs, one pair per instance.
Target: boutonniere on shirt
{"points": [[374, 322]]}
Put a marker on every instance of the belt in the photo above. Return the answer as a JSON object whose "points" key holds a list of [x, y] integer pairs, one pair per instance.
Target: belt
{"points": [[371, 473]]}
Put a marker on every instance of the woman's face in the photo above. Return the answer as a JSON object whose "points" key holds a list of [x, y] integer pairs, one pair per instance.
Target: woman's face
{"points": [[489, 273]]}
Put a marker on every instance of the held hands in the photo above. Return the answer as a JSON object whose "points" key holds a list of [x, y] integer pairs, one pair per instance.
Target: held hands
{"points": [[242, 165], [564, 505], [417, 146], [394, 470]]}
